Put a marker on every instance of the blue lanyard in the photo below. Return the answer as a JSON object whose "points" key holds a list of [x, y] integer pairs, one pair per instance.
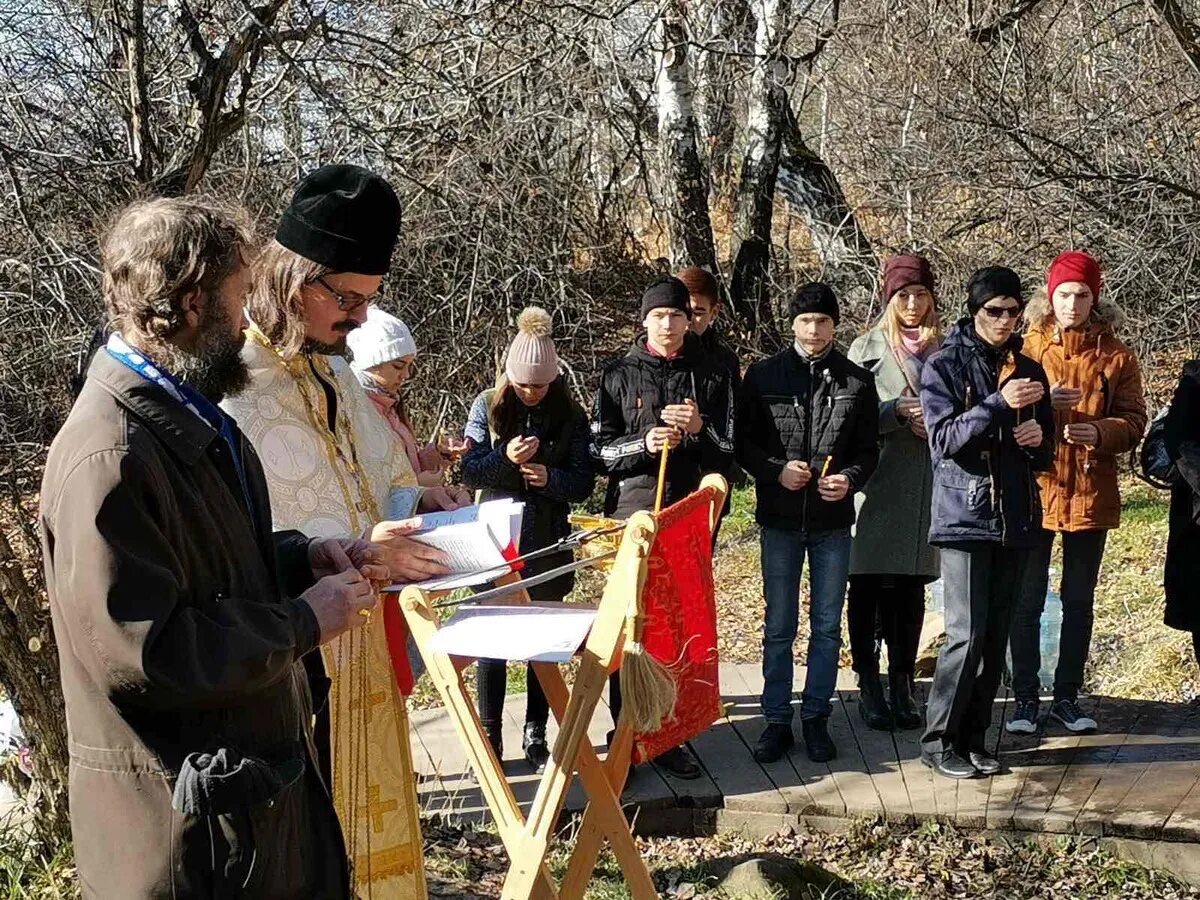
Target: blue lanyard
{"points": [[192, 399]]}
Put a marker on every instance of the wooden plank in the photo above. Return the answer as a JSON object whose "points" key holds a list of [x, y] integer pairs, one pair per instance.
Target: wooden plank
{"points": [[974, 794], [1013, 750], [1093, 754], [806, 788], [729, 762], [918, 780], [1153, 728], [878, 751], [1184, 822], [1048, 765]]}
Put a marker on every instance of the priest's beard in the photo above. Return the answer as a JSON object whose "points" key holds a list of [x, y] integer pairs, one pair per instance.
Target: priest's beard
{"points": [[336, 348], [213, 366]]}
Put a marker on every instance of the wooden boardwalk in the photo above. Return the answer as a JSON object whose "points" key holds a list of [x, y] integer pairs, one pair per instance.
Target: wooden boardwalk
{"points": [[1138, 778]]}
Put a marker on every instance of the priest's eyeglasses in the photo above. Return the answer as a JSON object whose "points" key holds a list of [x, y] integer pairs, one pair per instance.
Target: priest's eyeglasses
{"points": [[345, 302]]}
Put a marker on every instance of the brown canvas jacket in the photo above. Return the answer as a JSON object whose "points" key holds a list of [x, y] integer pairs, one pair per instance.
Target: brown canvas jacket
{"points": [[1081, 493], [175, 637]]}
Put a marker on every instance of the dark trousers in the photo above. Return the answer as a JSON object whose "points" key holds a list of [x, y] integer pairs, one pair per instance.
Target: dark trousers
{"points": [[1082, 552], [981, 583], [491, 679], [887, 606]]}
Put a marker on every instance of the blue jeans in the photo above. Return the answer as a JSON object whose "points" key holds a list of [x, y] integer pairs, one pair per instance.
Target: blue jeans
{"points": [[829, 569]]}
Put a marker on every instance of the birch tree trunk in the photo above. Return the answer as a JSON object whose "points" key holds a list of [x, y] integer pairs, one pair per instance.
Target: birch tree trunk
{"points": [[685, 179], [765, 118]]}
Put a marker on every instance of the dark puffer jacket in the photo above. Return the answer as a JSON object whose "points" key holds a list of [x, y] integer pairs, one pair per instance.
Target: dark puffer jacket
{"points": [[563, 450], [790, 409], [633, 392], [984, 486]]}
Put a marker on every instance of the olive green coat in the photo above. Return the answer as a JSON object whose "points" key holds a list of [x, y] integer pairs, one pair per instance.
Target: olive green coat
{"points": [[891, 535]]}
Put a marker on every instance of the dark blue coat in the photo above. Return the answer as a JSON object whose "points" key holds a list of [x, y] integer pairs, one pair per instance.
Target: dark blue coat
{"points": [[984, 486]]}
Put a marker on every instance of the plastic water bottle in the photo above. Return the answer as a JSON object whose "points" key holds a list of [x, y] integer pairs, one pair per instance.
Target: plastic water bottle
{"points": [[937, 597], [1050, 629]]}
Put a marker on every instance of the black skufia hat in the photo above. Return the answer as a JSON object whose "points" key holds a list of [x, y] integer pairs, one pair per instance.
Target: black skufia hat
{"points": [[343, 217]]}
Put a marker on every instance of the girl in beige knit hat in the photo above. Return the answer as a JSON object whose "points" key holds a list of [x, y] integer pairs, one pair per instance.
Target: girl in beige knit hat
{"points": [[529, 441]]}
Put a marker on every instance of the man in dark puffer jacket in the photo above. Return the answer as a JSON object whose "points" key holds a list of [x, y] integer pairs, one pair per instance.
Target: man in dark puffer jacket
{"points": [[808, 433], [991, 427], [665, 392]]}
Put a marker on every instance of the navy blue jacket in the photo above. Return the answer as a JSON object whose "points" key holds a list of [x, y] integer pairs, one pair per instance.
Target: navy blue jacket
{"points": [[570, 478], [984, 486]]}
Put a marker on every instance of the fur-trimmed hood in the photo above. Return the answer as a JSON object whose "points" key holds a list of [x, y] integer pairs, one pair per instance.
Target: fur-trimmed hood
{"points": [[1039, 312]]}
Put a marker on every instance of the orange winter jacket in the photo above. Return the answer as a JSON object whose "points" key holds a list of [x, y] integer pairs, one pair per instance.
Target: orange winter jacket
{"points": [[1081, 493]]}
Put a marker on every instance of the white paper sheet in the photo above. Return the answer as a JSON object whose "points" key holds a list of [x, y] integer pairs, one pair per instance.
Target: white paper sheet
{"points": [[535, 633]]}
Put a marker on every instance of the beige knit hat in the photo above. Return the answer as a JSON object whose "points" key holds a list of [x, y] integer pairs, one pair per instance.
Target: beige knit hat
{"points": [[531, 357]]}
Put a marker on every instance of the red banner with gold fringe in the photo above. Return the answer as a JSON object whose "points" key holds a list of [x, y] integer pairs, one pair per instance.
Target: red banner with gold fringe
{"points": [[681, 621]]}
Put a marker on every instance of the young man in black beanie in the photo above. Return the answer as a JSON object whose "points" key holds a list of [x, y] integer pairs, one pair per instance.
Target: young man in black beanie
{"points": [[991, 428], [808, 433], [665, 392]]}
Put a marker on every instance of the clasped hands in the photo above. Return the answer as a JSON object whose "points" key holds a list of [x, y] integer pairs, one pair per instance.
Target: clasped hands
{"points": [[678, 419], [797, 474]]}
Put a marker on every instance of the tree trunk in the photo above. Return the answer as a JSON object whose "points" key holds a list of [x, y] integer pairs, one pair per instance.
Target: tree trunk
{"points": [[730, 32], [848, 261], [29, 676], [765, 119], [684, 176]]}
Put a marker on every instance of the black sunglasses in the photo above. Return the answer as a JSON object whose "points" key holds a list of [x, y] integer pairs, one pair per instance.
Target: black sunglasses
{"points": [[344, 303], [1002, 312]]}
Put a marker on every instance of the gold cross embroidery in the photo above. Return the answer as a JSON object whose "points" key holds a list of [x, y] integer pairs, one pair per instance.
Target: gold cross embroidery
{"points": [[376, 808]]}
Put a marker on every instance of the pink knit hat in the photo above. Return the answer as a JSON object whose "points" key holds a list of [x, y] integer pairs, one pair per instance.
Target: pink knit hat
{"points": [[531, 357]]}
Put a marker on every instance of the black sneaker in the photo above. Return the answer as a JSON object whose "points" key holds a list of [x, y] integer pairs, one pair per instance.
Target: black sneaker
{"points": [[537, 752], [871, 705], [678, 762], [949, 764], [905, 708], [1072, 717], [1024, 718], [817, 742], [775, 741]]}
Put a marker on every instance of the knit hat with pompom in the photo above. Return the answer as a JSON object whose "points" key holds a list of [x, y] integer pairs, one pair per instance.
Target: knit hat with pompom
{"points": [[531, 357]]}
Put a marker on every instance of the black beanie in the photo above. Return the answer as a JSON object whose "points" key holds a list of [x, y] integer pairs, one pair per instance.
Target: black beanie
{"points": [[814, 297], [343, 217], [990, 282], [667, 292]]}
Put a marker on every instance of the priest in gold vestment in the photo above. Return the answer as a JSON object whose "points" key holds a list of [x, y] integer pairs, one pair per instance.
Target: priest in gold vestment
{"points": [[335, 469]]}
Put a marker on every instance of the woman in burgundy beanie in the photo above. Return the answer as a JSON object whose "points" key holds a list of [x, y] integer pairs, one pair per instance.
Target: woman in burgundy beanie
{"points": [[891, 560]]}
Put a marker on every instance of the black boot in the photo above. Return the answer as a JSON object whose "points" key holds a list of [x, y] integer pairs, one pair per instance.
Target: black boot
{"points": [[537, 753], [905, 709], [871, 705], [817, 741], [775, 741]]}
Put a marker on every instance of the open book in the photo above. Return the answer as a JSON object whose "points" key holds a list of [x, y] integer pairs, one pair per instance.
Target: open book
{"points": [[478, 540]]}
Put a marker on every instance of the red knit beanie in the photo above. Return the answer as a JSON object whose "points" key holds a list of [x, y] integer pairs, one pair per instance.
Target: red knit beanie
{"points": [[1074, 266], [903, 270]]}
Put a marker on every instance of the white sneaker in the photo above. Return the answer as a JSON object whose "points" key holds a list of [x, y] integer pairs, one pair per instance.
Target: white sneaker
{"points": [[1072, 717], [1024, 718]]}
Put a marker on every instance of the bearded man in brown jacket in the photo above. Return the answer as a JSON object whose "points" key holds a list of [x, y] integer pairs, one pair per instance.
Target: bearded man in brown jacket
{"points": [[1099, 414], [180, 618]]}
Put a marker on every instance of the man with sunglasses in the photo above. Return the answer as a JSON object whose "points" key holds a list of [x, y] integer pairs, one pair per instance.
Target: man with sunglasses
{"points": [[991, 428], [335, 468]]}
